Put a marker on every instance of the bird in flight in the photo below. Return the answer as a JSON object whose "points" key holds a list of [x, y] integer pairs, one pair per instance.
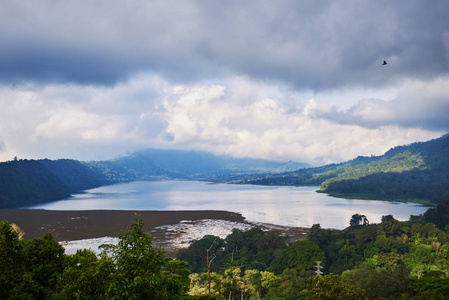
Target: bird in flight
{"points": [[384, 63]]}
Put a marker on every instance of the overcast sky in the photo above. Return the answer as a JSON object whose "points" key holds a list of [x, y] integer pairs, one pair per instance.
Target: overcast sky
{"points": [[284, 80]]}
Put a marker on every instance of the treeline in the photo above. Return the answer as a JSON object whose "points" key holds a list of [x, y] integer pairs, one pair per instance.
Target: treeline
{"points": [[417, 172], [25, 182], [390, 260], [133, 269]]}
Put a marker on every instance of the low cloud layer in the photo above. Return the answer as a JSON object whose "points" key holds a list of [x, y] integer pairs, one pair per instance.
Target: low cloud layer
{"points": [[238, 118], [285, 80]]}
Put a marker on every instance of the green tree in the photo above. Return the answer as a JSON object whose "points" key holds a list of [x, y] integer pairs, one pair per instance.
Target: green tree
{"points": [[196, 254], [332, 287], [358, 219], [301, 256], [433, 285], [11, 260], [82, 277], [140, 271], [133, 269], [373, 282], [28, 269]]}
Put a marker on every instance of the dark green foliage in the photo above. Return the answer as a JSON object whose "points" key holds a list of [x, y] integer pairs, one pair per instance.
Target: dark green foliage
{"points": [[77, 175], [254, 248], [358, 219], [390, 260], [28, 269], [196, 254], [251, 249], [25, 182], [438, 215], [11, 262], [381, 284], [433, 285], [28, 182], [137, 270], [83, 276], [134, 269], [332, 287], [417, 172], [300, 256]]}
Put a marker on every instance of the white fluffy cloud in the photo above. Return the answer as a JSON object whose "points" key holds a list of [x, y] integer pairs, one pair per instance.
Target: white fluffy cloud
{"points": [[239, 117], [289, 79]]}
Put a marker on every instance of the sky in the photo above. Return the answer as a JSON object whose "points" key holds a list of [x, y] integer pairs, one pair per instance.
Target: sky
{"points": [[281, 80]]}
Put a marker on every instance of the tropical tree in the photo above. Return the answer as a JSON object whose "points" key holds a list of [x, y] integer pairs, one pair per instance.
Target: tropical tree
{"points": [[332, 287], [133, 269], [140, 271], [358, 219]]}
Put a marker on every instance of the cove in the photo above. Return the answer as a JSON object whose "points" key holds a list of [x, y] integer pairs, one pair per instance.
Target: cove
{"points": [[280, 205]]}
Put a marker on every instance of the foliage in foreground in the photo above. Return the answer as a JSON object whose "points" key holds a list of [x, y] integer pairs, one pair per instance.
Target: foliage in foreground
{"points": [[390, 260], [134, 269]]}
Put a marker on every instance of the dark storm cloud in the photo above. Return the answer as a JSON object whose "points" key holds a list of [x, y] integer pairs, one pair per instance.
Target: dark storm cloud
{"points": [[310, 45]]}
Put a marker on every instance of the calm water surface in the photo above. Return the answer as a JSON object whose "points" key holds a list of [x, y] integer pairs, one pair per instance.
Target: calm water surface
{"points": [[290, 206]]}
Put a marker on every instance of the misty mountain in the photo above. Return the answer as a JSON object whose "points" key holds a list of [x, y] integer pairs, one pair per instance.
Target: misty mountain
{"points": [[25, 182], [204, 164], [415, 172]]}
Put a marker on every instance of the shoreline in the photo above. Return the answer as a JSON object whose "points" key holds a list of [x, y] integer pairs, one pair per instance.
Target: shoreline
{"points": [[88, 224], [68, 226]]}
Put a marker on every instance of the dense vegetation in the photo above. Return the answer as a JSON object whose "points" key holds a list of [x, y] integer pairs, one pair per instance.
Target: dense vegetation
{"points": [[390, 260], [133, 269], [25, 182], [417, 172]]}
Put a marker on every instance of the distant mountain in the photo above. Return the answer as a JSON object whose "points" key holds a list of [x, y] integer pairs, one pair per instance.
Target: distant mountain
{"points": [[415, 172], [26, 182], [205, 164]]}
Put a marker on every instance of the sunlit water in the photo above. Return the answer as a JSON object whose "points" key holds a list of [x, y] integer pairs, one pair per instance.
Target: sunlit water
{"points": [[288, 206]]}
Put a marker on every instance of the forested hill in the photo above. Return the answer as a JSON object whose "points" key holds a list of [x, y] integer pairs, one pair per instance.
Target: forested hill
{"points": [[416, 172], [26, 182]]}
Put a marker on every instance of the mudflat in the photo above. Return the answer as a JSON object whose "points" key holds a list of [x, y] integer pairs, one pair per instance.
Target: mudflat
{"points": [[86, 224]]}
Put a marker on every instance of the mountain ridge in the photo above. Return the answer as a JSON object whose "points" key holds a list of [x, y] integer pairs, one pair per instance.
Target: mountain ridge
{"points": [[417, 172], [25, 182]]}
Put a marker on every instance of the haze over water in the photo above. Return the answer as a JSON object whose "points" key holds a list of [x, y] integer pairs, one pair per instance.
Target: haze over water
{"points": [[288, 206]]}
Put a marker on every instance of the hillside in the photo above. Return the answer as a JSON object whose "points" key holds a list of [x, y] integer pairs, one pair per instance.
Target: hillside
{"points": [[206, 165], [416, 172], [27, 182]]}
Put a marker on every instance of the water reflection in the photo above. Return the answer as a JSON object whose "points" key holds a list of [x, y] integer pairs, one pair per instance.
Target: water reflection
{"points": [[290, 206]]}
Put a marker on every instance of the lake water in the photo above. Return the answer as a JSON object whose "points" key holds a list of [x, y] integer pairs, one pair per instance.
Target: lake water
{"points": [[288, 206]]}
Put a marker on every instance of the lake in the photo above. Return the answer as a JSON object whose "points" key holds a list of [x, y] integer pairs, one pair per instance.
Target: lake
{"points": [[288, 206]]}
